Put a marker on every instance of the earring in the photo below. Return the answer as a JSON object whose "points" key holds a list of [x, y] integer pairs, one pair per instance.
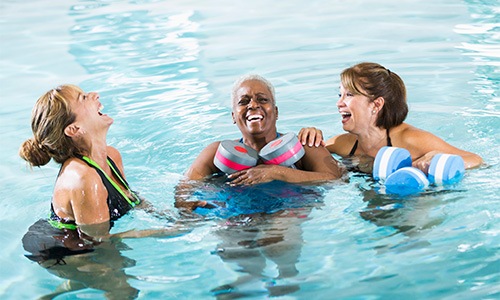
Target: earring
{"points": [[374, 111]]}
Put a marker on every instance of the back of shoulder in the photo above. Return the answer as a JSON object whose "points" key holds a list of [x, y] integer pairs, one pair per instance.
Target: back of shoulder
{"points": [[76, 172]]}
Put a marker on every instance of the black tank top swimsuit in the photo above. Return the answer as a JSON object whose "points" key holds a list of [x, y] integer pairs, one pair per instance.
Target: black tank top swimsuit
{"points": [[118, 202], [353, 150]]}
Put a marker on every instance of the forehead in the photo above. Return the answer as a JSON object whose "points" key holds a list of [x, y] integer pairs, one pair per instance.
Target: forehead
{"points": [[252, 87]]}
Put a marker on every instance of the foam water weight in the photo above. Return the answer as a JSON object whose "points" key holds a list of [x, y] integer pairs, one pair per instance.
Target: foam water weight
{"points": [[284, 151], [233, 156], [446, 169], [407, 180], [388, 160], [392, 166]]}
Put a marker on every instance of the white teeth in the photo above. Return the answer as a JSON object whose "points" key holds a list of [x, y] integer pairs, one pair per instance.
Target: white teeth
{"points": [[344, 114], [254, 117]]}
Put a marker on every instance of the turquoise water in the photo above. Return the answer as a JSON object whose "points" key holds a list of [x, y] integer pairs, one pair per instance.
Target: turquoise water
{"points": [[164, 70]]}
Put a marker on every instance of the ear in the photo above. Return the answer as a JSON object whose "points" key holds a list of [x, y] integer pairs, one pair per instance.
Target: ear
{"points": [[71, 130], [378, 104], [232, 116]]}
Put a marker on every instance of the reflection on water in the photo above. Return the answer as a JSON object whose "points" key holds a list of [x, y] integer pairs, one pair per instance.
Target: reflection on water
{"points": [[83, 263], [410, 215], [248, 242], [258, 225]]}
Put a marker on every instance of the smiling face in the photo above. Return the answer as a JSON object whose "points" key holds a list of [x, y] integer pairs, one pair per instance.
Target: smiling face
{"points": [[87, 109], [254, 109], [357, 111]]}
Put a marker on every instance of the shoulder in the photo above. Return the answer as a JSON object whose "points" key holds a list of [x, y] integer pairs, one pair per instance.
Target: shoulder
{"points": [[76, 182], [114, 154], [406, 135], [75, 174], [203, 165], [341, 144]]}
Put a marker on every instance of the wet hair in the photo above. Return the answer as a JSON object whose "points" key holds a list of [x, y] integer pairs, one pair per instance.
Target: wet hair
{"points": [[249, 77], [373, 80], [50, 116]]}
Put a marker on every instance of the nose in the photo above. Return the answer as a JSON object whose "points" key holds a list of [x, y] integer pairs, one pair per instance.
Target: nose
{"points": [[253, 103], [94, 95], [340, 102]]}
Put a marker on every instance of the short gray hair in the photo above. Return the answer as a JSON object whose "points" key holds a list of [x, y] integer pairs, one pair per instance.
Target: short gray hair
{"points": [[249, 77]]}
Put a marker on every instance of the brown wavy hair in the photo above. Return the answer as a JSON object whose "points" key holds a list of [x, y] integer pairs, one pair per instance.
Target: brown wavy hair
{"points": [[373, 80]]}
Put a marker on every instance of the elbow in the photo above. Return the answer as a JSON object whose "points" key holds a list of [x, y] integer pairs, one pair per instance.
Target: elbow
{"points": [[473, 161]]}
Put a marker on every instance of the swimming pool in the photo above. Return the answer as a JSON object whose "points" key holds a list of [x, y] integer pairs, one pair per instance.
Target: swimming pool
{"points": [[164, 71]]}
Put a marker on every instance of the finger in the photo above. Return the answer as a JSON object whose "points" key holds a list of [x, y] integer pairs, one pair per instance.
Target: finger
{"points": [[319, 138], [235, 175], [303, 136]]}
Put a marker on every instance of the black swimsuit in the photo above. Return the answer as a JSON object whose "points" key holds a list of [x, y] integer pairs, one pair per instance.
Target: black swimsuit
{"points": [[353, 150], [55, 238]]}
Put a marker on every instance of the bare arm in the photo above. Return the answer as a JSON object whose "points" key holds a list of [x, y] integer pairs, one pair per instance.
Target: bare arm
{"points": [[424, 145], [203, 165]]}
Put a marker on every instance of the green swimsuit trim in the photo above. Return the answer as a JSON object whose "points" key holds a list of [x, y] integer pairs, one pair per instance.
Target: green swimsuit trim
{"points": [[115, 185], [61, 225]]}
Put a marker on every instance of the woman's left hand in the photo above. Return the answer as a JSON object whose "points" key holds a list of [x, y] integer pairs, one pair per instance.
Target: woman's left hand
{"points": [[424, 161], [254, 175]]}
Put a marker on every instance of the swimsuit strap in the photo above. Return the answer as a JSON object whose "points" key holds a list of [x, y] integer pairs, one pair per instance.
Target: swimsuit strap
{"points": [[389, 143], [115, 185], [355, 146]]}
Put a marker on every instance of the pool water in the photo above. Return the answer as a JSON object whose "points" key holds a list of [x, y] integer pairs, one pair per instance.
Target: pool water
{"points": [[164, 70]]}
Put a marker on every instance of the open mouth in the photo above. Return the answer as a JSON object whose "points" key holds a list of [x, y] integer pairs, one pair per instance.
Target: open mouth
{"points": [[99, 111], [254, 118], [345, 115]]}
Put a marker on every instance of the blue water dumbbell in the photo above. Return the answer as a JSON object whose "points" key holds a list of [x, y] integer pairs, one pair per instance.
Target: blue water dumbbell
{"points": [[446, 169], [388, 160], [405, 181], [392, 166]]}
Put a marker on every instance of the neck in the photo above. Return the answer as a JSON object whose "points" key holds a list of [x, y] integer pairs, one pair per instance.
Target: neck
{"points": [[371, 142], [258, 142], [97, 150]]}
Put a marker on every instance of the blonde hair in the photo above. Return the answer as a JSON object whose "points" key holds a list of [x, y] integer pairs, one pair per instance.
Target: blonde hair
{"points": [[50, 116]]}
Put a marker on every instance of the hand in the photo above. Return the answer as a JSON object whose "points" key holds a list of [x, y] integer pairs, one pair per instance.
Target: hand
{"points": [[192, 205], [424, 162], [255, 175], [311, 136]]}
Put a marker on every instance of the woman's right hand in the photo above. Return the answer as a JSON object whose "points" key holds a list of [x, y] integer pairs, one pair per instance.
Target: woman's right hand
{"points": [[311, 136]]}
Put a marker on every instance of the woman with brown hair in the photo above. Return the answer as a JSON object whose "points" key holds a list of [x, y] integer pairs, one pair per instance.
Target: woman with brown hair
{"points": [[373, 107]]}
